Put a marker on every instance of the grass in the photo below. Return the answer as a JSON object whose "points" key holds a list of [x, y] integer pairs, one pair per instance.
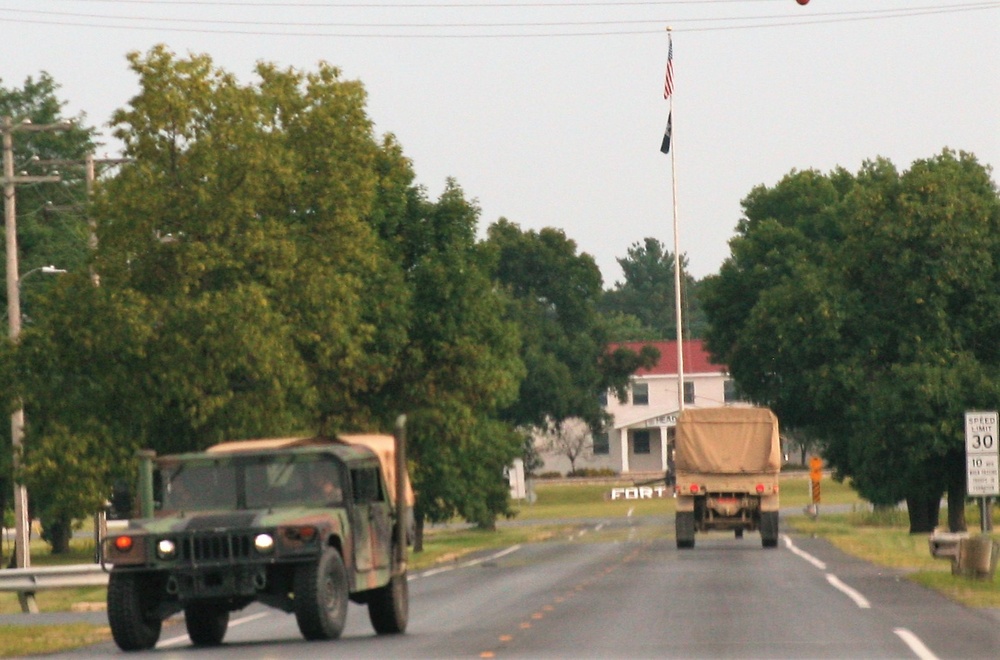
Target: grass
{"points": [[20, 641]]}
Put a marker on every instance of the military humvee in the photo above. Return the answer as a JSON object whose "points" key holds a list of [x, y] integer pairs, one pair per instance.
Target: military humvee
{"points": [[299, 524]]}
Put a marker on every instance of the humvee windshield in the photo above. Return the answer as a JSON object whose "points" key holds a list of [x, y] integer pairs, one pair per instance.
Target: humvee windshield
{"points": [[252, 482]]}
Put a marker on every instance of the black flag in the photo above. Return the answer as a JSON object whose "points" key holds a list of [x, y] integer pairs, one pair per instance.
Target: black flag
{"points": [[665, 145]]}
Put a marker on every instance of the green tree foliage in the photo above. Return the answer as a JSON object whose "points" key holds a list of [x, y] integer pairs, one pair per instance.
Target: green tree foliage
{"points": [[242, 224], [858, 306], [554, 294], [647, 295], [460, 366]]}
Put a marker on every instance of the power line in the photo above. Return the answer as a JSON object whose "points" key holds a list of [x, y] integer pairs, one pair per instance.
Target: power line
{"points": [[740, 23], [870, 13], [426, 5]]}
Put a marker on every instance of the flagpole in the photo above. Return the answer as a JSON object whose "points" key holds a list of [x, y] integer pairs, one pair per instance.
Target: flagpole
{"points": [[677, 257]]}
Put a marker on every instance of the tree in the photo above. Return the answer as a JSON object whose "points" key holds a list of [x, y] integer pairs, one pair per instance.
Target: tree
{"points": [[647, 294], [564, 348], [243, 221], [460, 365], [856, 307], [569, 440]]}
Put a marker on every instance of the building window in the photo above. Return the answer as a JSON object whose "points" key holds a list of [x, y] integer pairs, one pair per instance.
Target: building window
{"points": [[640, 442], [688, 392], [602, 399], [640, 394], [730, 391], [602, 444]]}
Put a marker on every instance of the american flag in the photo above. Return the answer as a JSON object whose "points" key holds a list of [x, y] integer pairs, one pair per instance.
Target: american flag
{"points": [[668, 85]]}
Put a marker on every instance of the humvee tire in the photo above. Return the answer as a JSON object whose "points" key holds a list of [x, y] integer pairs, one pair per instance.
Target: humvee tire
{"points": [[134, 623], [389, 606], [739, 533], [684, 529], [206, 623], [769, 529], [320, 590]]}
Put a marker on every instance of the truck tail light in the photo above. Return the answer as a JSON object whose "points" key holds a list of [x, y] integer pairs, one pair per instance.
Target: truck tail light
{"points": [[694, 489], [760, 489], [123, 543]]}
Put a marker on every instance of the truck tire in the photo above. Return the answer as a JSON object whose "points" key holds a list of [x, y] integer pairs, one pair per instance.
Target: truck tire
{"points": [[684, 529], [769, 529], [389, 606], [321, 596], [206, 623], [132, 603]]}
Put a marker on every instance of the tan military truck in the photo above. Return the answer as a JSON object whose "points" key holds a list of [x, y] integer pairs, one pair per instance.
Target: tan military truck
{"points": [[727, 464], [300, 524]]}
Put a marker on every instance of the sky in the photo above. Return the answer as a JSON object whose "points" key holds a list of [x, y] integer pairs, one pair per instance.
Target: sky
{"points": [[550, 113]]}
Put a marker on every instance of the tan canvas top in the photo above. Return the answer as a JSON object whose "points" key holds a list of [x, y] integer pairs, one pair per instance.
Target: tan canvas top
{"points": [[256, 445], [727, 441], [384, 446]]}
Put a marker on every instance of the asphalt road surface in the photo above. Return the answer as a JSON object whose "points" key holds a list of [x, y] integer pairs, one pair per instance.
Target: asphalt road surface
{"points": [[619, 589]]}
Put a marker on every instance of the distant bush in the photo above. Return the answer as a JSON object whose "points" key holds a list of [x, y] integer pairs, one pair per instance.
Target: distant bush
{"points": [[549, 475], [593, 472]]}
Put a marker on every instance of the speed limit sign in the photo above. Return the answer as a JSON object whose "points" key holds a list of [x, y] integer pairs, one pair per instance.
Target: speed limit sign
{"points": [[981, 457]]}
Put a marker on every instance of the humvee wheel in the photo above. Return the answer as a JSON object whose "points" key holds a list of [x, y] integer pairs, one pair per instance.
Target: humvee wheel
{"points": [[321, 596], [389, 606], [206, 623], [769, 529], [684, 529], [739, 533], [131, 611]]}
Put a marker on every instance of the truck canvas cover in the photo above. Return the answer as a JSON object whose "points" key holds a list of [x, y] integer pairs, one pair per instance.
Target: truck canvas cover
{"points": [[727, 441], [383, 446]]}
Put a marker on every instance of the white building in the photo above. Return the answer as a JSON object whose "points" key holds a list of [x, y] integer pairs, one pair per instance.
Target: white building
{"points": [[640, 435]]}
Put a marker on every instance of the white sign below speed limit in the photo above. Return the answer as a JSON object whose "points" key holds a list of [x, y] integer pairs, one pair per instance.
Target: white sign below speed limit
{"points": [[983, 477]]}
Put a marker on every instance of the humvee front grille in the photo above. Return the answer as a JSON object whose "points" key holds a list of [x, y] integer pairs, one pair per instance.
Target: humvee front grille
{"points": [[215, 547]]}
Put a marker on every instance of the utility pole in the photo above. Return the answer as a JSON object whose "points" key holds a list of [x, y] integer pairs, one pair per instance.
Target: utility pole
{"points": [[90, 169], [22, 552]]}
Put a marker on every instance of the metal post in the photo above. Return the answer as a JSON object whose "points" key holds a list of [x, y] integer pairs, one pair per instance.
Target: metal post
{"points": [[100, 532], [402, 508], [146, 504]]}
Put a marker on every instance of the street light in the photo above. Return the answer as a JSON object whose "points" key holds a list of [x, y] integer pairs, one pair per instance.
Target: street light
{"points": [[47, 270]]}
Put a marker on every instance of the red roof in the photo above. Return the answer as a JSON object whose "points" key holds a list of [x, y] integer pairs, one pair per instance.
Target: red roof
{"points": [[696, 358]]}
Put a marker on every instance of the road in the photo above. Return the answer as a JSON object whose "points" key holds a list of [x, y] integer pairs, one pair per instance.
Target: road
{"points": [[620, 589]]}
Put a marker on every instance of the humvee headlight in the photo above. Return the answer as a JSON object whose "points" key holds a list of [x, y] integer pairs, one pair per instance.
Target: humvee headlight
{"points": [[264, 543], [166, 549]]}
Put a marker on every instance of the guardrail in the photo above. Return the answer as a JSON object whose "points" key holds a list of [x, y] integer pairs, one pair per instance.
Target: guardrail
{"points": [[52, 577]]}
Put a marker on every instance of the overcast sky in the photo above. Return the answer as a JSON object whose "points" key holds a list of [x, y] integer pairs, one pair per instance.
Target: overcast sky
{"points": [[550, 113]]}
